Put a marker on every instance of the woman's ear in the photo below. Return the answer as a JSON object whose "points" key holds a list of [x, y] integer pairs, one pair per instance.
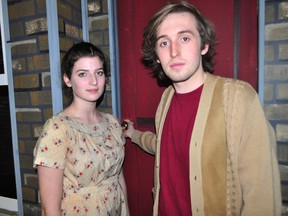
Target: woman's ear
{"points": [[67, 80], [205, 49]]}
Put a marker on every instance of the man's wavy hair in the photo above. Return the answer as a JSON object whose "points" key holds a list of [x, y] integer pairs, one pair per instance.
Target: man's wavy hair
{"points": [[206, 30]]}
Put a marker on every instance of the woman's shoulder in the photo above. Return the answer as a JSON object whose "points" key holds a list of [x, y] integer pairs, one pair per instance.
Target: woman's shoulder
{"points": [[56, 121], [110, 118], [59, 118]]}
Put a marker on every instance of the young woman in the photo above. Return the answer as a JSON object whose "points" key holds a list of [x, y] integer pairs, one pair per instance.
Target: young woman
{"points": [[80, 152]]}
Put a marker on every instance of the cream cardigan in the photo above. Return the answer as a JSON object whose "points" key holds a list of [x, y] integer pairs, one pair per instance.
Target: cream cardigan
{"points": [[233, 165]]}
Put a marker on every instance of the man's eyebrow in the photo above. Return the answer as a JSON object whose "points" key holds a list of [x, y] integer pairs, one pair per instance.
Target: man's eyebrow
{"points": [[186, 31], [196, 34], [179, 33], [162, 36]]}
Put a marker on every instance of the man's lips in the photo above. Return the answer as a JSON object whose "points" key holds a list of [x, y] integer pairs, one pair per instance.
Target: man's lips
{"points": [[176, 64]]}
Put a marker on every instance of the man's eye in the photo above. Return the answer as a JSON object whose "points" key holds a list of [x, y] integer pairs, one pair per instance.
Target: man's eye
{"points": [[185, 39]]}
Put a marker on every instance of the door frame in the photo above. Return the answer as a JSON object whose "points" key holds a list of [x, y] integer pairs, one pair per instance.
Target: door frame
{"points": [[261, 49], [8, 203]]}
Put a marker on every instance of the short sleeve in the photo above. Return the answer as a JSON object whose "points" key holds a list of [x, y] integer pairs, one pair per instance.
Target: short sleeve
{"points": [[52, 145]]}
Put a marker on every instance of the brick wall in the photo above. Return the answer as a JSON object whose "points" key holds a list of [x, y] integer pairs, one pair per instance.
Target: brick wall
{"points": [[276, 83], [28, 26], [31, 72], [99, 35]]}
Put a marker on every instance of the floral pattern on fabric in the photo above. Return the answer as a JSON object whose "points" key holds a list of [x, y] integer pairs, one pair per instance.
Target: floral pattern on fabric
{"points": [[91, 157]]}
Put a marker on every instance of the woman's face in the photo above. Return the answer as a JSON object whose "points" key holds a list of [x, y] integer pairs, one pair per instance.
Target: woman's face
{"points": [[87, 79]]}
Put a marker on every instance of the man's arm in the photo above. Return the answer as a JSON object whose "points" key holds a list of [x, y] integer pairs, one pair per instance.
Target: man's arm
{"points": [[258, 165], [145, 140]]}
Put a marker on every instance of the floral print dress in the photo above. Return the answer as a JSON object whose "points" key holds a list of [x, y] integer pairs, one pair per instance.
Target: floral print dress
{"points": [[91, 157]]}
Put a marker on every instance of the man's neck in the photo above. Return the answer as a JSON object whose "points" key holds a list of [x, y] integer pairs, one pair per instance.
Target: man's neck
{"points": [[190, 85]]}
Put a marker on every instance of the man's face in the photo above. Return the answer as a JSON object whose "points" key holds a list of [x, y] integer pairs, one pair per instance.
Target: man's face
{"points": [[179, 51]]}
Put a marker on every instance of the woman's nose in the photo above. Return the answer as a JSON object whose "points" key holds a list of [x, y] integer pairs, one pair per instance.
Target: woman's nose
{"points": [[93, 80]]}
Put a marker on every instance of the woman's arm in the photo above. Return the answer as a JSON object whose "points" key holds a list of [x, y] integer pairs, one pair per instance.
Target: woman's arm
{"points": [[51, 187], [124, 188]]}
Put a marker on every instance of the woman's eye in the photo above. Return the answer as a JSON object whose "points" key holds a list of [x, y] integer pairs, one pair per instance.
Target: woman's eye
{"points": [[82, 74], [100, 73]]}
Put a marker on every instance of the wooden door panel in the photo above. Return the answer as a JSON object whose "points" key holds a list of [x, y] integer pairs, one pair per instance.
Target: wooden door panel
{"points": [[221, 14], [248, 52]]}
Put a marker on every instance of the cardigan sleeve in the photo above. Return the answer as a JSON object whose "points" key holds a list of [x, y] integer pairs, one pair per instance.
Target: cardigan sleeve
{"points": [[257, 163], [148, 140], [145, 140]]}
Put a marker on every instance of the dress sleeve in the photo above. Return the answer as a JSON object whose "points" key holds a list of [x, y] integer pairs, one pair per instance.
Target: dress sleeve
{"points": [[52, 145]]}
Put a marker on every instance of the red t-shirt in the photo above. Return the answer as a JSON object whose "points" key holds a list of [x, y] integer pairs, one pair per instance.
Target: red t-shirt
{"points": [[174, 197]]}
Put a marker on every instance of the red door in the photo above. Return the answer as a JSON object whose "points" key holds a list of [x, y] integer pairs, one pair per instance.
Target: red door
{"points": [[140, 93]]}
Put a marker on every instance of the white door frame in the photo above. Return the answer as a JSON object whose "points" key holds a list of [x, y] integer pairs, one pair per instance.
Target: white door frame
{"points": [[7, 77]]}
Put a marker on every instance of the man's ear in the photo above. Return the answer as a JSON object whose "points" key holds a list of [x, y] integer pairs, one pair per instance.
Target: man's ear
{"points": [[205, 49], [67, 80]]}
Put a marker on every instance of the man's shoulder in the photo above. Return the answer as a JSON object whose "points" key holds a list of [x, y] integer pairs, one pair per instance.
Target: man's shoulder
{"points": [[235, 86], [236, 91]]}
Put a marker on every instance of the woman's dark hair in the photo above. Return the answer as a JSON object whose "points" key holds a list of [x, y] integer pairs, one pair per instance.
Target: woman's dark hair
{"points": [[77, 51], [205, 27]]}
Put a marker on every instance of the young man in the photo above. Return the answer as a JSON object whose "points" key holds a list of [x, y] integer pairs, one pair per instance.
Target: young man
{"points": [[215, 150]]}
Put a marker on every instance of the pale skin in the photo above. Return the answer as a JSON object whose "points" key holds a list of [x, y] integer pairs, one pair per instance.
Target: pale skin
{"points": [[179, 52], [88, 83], [178, 48], [50, 186]]}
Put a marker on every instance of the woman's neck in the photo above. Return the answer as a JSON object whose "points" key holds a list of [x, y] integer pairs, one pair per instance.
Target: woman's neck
{"points": [[83, 114]]}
